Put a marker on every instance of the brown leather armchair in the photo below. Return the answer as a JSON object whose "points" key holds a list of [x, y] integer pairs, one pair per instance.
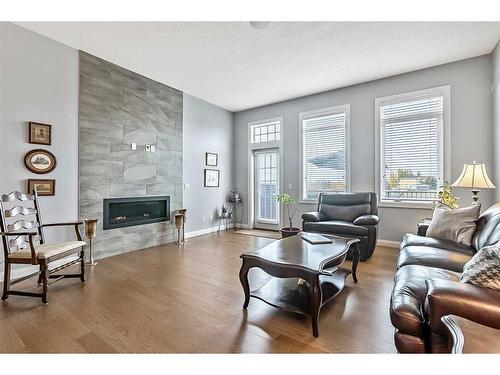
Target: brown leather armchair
{"points": [[348, 215], [427, 287]]}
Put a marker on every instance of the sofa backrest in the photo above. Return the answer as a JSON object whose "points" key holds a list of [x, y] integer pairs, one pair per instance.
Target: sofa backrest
{"points": [[347, 206], [488, 228]]}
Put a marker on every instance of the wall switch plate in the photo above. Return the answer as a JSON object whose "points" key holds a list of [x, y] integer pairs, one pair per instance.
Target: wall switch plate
{"points": [[289, 185], [134, 146], [153, 148], [148, 148], [186, 186]]}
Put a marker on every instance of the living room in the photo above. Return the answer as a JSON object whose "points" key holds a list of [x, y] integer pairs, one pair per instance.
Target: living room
{"points": [[250, 186]]}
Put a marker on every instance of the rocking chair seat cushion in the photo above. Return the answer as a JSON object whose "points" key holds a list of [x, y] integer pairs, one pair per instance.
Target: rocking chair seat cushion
{"points": [[45, 251]]}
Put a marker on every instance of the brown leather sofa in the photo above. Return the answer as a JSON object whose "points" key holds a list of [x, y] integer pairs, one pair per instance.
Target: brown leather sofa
{"points": [[427, 287]]}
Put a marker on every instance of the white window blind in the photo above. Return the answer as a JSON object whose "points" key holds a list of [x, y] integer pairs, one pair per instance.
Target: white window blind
{"points": [[411, 131], [324, 144]]}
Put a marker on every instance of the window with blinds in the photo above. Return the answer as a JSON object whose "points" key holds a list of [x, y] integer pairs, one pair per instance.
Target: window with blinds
{"points": [[324, 151], [411, 148]]}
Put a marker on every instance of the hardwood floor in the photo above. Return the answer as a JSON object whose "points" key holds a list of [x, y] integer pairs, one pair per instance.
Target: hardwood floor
{"points": [[171, 299]]}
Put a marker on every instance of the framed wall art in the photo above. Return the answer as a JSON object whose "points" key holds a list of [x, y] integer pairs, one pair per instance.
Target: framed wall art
{"points": [[212, 177], [40, 134], [40, 161], [43, 187], [211, 159]]}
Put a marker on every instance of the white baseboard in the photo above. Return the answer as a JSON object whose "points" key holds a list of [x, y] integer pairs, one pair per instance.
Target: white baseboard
{"points": [[388, 243], [207, 230]]}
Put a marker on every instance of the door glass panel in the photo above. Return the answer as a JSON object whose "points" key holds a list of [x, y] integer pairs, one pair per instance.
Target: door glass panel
{"points": [[267, 187]]}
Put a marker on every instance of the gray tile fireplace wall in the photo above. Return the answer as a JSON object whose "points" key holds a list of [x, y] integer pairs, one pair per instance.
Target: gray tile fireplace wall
{"points": [[118, 107]]}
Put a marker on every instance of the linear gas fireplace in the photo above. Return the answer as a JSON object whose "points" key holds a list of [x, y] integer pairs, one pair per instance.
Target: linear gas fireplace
{"points": [[126, 212]]}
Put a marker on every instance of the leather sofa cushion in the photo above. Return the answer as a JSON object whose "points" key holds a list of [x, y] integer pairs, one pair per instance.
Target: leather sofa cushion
{"points": [[408, 296], [344, 212], [414, 240], [432, 252], [336, 227], [433, 257]]}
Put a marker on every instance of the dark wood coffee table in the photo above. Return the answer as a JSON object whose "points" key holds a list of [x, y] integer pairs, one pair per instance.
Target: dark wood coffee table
{"points": [[292, 258]]}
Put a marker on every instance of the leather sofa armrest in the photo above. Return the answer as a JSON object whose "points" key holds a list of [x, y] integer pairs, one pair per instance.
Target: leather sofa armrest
{"points": [[446, 297], [314, 216], [366, 220]]}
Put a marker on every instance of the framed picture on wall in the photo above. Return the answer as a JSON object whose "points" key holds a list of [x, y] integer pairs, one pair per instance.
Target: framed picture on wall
{"points": [[40, 134], [211, 159], [40, 161], [212, 177], [43, 187]]}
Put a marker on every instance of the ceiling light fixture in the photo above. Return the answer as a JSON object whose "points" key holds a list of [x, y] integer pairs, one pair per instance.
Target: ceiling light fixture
{"points": [[259, 25]]}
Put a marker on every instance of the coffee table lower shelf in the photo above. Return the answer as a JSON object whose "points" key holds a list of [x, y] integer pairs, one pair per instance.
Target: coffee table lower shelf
{"points": [[288, 294]]}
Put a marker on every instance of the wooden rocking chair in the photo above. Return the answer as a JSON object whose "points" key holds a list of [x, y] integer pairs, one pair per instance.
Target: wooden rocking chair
{"points": [[24, 243]]}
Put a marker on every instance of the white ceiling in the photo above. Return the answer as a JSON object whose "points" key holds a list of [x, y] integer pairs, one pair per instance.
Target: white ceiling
{"points": [[234, 66]]}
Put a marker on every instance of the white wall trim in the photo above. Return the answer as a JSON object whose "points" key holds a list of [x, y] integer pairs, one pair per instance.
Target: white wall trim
{"points": [[388, 243], [445, 91], [346, 108], [207, 231]]}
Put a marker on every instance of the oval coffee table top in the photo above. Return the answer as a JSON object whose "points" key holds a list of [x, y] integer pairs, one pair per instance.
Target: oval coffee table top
{"points": [[296, 251]]}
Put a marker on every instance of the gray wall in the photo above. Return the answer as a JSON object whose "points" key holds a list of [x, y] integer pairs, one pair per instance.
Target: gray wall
{"points": [[207, 128], [118, 107], [496, 114], [39, 82], [471, 123]]}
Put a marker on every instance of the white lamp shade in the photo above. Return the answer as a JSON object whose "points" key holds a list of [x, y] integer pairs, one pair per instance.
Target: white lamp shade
{"points": [[474, 176]]}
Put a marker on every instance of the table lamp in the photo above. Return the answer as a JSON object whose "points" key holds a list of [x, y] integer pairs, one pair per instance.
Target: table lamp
{"points": [[474, 176]]}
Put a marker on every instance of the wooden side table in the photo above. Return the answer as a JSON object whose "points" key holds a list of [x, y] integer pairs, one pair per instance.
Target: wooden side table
{"points": [[234, 210], [471, 337]]}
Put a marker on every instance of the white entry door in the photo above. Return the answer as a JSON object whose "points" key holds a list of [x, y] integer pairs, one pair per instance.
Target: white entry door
{"points": [[266, 177]]}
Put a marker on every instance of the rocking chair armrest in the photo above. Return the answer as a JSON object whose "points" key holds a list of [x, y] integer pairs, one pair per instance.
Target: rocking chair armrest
{"points": [[30, 240], [62, 224], [75, 224]]}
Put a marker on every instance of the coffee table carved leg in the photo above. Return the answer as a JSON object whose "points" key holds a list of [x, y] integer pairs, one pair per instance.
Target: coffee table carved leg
{"points": [[316, 299], [355, 261], [244, 282]]}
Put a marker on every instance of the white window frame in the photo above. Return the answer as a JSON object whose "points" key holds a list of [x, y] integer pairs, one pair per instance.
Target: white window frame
{"points": [[444, 132], [345, 108], [250, 163], [266, 123]]}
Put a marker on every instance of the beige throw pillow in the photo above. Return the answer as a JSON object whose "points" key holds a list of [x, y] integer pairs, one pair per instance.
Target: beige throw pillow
{"points": [[456, 225]]}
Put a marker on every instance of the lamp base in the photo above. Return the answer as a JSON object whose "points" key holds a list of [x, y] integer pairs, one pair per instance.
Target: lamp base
{"points": [[91, 261], [475, 196]]}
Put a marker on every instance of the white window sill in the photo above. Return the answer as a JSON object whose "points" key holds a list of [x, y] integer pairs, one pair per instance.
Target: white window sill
{"points": [[308, 201], [407, 204]]}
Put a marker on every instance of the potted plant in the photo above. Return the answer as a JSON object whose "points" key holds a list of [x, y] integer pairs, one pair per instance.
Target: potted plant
{"points": [[288, 200], [446, 197]]}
